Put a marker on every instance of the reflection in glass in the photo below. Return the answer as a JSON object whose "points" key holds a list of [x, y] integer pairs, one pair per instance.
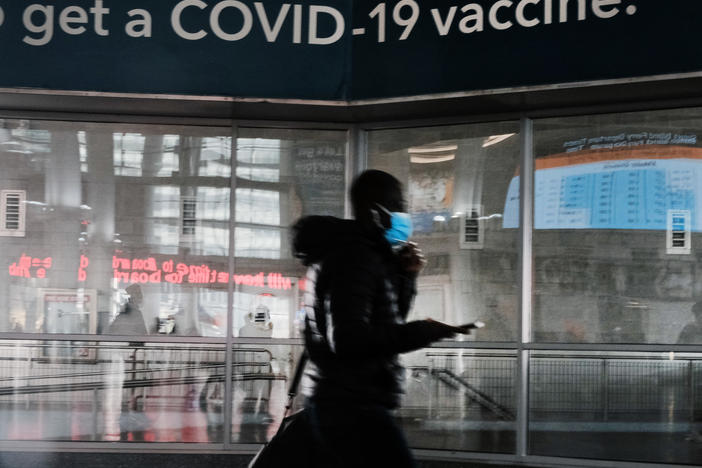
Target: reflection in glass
{"points": [[258, 206], [617, 216], [258, 151], [110, 213], [260, 313], [459, 183], [281, 176], [262, 174], [257, 243], [129, 392], [460, 400], [215, 157], [129, 153], [261, 378], [616, 406]]}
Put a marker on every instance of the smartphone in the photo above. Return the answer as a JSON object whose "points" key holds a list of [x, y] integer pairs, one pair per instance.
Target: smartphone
{"points": [[473, 325], [465, 329]]}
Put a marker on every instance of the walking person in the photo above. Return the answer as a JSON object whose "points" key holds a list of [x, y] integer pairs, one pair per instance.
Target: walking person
{"points": [[360, 288]]}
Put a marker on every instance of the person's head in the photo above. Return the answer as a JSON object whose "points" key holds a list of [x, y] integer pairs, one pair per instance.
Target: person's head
{"points": [[135, 295], [372, 188]]}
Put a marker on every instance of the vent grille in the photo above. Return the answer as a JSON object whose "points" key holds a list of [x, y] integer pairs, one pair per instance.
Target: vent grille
{"points": [[472, 229], [678, 238], [12, 213], [188, 217]]}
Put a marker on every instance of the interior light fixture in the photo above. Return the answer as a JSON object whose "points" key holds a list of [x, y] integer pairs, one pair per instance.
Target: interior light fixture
{"points": [[495, 139], [431, 159], [432, 149], [458, 214], [492, 216], [12, 146]]}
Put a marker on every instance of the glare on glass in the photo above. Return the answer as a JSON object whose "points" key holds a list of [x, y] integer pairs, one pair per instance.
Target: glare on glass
{"points": [[119, 229], [462, 193], [617, 216]]}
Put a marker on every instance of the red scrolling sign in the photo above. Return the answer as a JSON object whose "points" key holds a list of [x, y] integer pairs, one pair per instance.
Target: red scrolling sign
{"points": [[152, 271]]}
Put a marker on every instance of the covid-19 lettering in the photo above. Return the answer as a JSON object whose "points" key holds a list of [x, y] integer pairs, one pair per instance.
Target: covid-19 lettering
{"points": [[232, 21], [271, 22]]}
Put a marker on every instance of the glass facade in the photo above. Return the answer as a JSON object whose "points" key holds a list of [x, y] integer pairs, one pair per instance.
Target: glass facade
{"points": [[617, 222], [461, 400], [109, 391], [138, 261], [457, 178], [282, 175], [616, 405], [126, 229]]}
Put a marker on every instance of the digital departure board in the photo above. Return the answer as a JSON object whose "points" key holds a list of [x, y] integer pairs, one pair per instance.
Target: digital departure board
{"points": [[620, 189]]}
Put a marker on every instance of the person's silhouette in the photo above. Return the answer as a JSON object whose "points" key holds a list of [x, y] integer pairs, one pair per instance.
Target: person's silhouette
{"points": [[692, 332]]}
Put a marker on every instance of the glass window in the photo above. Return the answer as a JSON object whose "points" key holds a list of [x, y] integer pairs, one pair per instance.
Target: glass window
{"points": [[617, 220], [463, 197], [460, 400], [281, 176], [126, 229], [262, 375], [616, 406], [129, 153], [128, 392]]}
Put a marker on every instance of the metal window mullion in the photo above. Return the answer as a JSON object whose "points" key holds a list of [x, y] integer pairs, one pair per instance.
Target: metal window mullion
{"points": [[526, 206], [505, 345], [614, 348], [356, 161], [227, 408], [501, 459], [358, 150]]}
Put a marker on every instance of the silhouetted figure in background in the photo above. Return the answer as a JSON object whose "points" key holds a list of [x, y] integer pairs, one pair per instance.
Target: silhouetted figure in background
{"points": [[130, 320], [254, 395], [121, 417]]}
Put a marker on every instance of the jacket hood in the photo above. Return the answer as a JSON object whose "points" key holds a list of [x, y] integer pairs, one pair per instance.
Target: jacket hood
{"points": [[314, 237]]}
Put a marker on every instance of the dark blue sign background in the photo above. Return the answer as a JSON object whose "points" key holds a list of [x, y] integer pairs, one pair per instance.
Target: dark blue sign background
{"points": [[661, 37], [166, 63], [629, 38]]}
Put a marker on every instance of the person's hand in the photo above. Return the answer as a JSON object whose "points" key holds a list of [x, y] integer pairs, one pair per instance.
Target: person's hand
{"points": [[411, 258], [444, 330]]}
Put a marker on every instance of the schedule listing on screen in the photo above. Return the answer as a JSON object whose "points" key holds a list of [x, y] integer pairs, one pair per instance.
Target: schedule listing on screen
{"points": [[613, 189]]}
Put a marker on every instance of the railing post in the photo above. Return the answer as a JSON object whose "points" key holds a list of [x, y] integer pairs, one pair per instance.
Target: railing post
{"points": [[227, 407], [605, 390], [691, 387], [95, 413], [526, 219]]}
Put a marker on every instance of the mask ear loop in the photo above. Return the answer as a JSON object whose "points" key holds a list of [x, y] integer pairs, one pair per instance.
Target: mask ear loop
{"points": [[376, 218], [387, 212], [376, 215]]}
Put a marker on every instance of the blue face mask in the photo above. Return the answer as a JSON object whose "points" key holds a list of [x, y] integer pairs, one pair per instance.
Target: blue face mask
{"points": [[400, 228]]}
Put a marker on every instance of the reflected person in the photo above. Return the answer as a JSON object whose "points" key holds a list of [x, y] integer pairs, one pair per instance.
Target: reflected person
{"points": [[692, 333], [363, 277], [129, 322], [254, 393]]}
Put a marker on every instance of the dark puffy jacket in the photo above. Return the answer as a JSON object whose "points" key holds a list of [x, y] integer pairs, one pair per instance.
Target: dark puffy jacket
{"points": [[357, 301]]}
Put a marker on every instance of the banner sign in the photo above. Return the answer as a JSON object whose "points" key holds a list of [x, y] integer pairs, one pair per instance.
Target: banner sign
{"points": [[222, 47], [339, 49], [432, 46]]}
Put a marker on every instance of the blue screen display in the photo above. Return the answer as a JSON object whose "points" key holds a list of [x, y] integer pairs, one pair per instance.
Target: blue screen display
{"points": [[612, 194]]}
